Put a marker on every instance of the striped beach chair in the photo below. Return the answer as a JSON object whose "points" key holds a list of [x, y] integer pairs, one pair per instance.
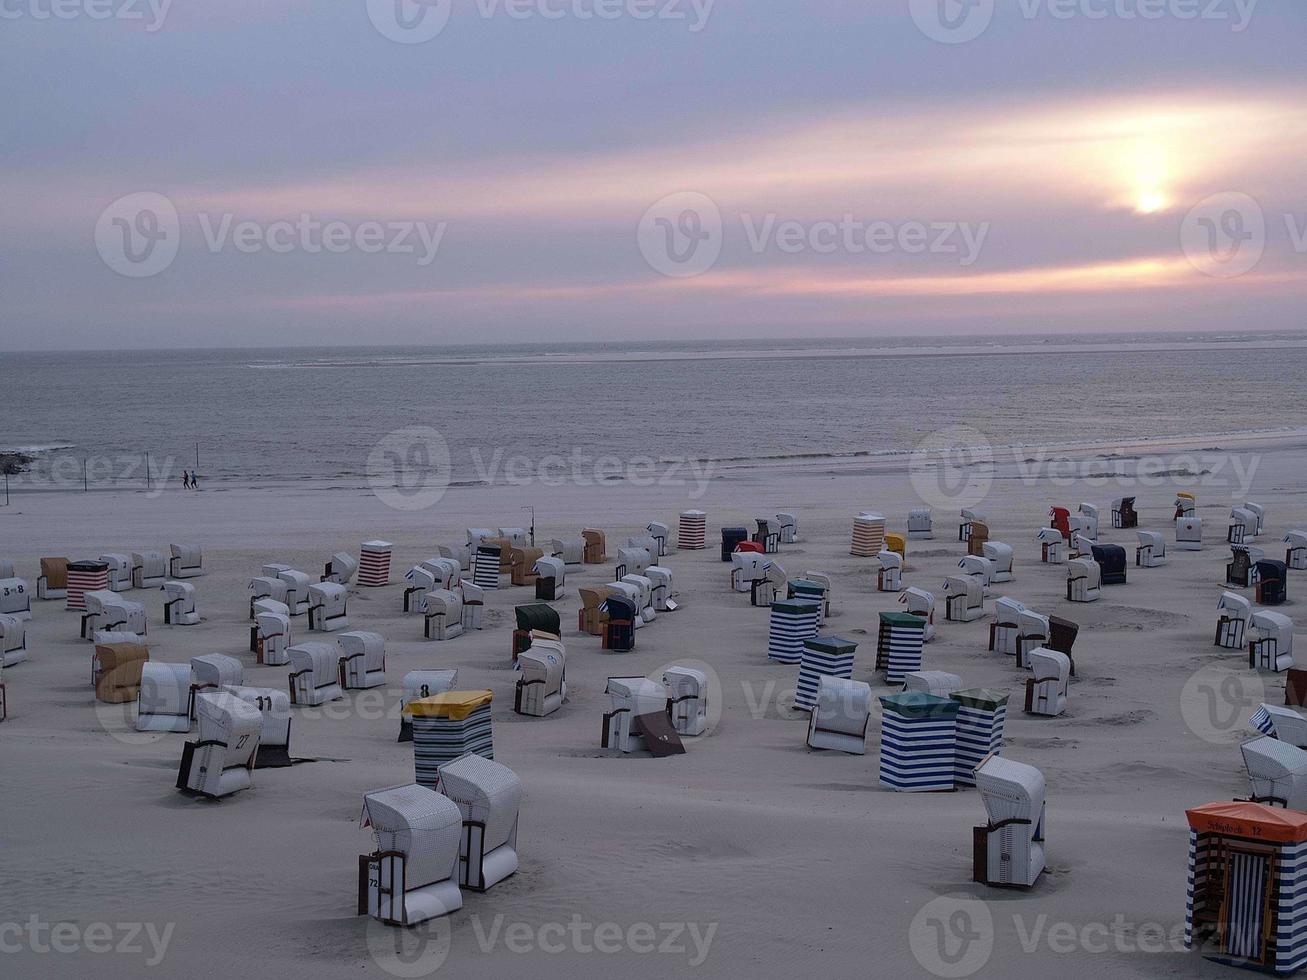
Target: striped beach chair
{"points": [[918, 738], [898, 645], [447, 726], [792, 622], [982, 713], [830, 656], [374, 564]]}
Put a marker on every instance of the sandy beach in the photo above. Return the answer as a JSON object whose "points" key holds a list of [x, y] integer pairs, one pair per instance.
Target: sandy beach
{"points": [[749, 855]]}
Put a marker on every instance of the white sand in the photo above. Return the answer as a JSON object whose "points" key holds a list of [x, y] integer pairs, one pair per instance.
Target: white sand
{"points": [[790, 861]]}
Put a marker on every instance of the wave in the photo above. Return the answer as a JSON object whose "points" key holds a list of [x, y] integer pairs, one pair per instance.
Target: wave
{"points": [[38, 449]]}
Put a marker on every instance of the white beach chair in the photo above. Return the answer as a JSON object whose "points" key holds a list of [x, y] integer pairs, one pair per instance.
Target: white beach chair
{"points": [[633, 561], [362, 660], [661, 577], [570, 549], [889, 577], [921, 603], [327, 607], [163, 703], [15, 598], [628, 699], [297, 590], [1052, 546], [149, 569], [270, 636], [412, 876], [212, 672], [978, 567], [1000, 556], [419, 684], [840, 716], [1151, 552], [964, 598], [1277, 772], [314, 673], [107, 610], [787, 526], [473, 598], [340, 568], [1032, 632], [187, 561], [1259, 512], [267, 587], [120, 570], [1279, 721], [919, 524], [542, 681], [179, 604], [1243, 526], [1189, 533], [969, 516], [443, 619], [489, 796], [419, 580], [460, 553], [1085, 523], [687, 691], [659, 532], [13, 640], [1009, 849], [937, 682], [1046, 689], [518, 537], [220, 762], [1235, 611], [1295, 555], [1083, 580], [273, 707], [1006, 627], [1270, 644]]}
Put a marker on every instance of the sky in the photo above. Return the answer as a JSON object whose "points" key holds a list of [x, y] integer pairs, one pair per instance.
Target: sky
{"points": [[332, 172]]}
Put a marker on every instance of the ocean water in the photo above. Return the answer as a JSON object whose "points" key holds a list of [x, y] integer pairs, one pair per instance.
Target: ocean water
{"points": [[267, 417]]}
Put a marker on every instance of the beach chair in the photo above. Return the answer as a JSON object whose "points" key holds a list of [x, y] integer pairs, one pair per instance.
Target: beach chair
{"points": [[628, 699], [1083, 580], [964, 598], [84, 577], [187, 561], [899, 639], [474, 603], [460, 553], [212, 672], [107, 610], [840, 716], [1046, 689], [179, 604], [443, 619], [1295, 555], [1271, 580], [1062, 635], [418, 684], [1295, 687], [52, 583], [550, 574], [542, 683], [1151, 552], [15, 598], [982, 715], [918, 742], [1123, 513], [534, 617], [687, 692], [120, 571], [362, 660], [1280, 722], [116, 671], [977, 538], [919, 524], [595, 552], [732, 539], [1243, 526], [631, 588], [970, 518], [772, 585], [447, 726], [633, 561], [645, 588], [570, 550], [1000, 555], [590, 618], [522, 565], [1085, 522], [747, 568], [374, 564], [1241, 570], [517, 537], [660, 533], [1270, 643], [13, 640], [826, 656], [1277, 772], [791, 621], [149, 569], [340, 568], [270, 635], [327, 607], [766, 536], [297, 590], [1259, 512], [163, 701], [1006, 627], [620, 619], [1035, 630], [418, 581], [979, 568], [267, 587], [787, 526], [1052, 546], [488, 796], [1009, 849], [1060, 520], [868, 535], [692, 530], [412, 875], [273, 707], [662, 586], [921, 603], [314, 677], [1111, 563], [937, 682], [820, 589], [889, 577], [219, 763], [1235, 611], [1189, 533], [1186, 504], [479, 535]]}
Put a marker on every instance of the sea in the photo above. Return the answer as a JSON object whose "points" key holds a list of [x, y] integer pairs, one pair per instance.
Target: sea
{"points": [[325, 417]]}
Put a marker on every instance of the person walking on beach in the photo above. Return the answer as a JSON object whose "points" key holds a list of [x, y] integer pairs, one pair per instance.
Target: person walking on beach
{"points": [[195, 481], [186, 479]]}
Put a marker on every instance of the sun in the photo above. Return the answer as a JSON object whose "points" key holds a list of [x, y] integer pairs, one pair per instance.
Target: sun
{"points": [[1150, 202]]}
